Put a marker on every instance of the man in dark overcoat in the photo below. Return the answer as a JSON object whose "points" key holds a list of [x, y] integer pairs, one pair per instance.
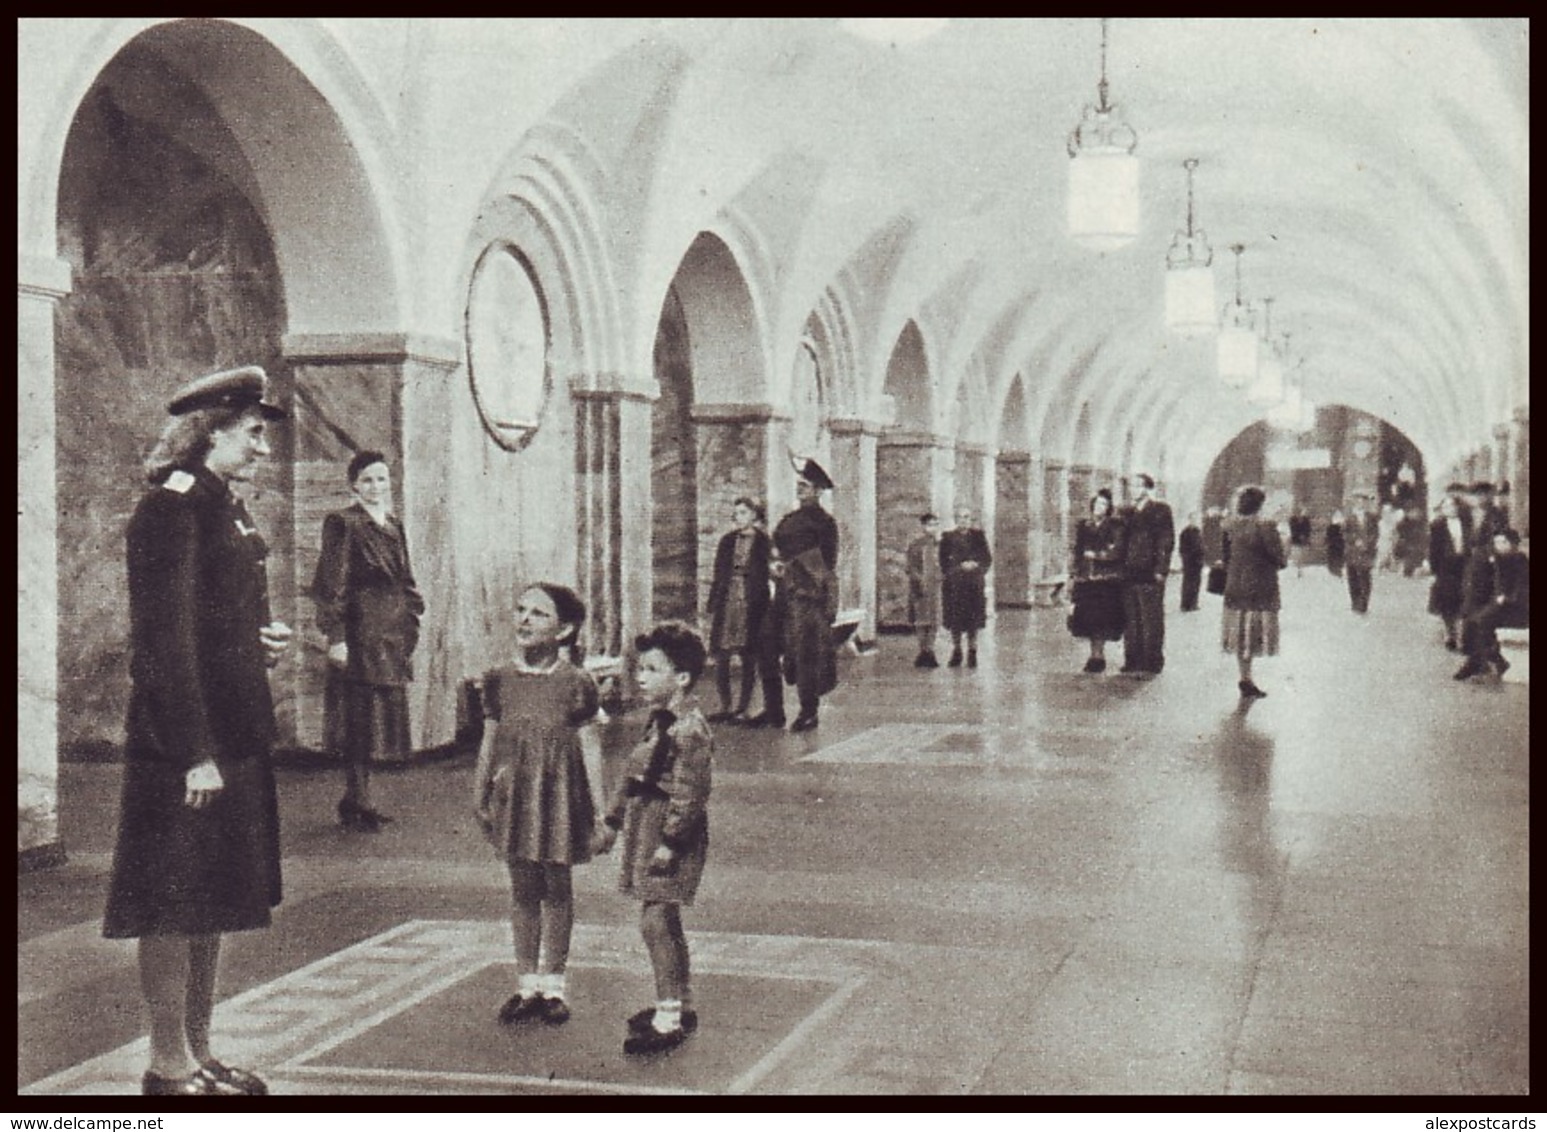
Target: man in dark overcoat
{"points": [[807, 543], [1361, 545], [1151, 537]]}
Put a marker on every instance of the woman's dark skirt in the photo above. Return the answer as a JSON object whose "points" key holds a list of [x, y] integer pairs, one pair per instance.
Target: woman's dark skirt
{"points": [[365, 723], [181, 871], [1098, 610], [1445, 593]]}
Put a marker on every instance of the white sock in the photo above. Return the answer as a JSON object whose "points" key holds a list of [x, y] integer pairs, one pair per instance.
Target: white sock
{"points": [[553, 985], [668, 1015], [530, 985]]}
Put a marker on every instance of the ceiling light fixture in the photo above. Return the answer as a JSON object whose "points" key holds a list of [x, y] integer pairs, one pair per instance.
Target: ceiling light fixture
{"points": [[1190, 276], [1103, 173], [1237, 349]]}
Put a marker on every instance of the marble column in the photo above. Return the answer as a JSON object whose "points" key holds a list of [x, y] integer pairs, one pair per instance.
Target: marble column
{"points": [[1012, 529], [975, 489], [1079, 479], [912, 477], [1520, 470], [855, 507], [41, 283], [1055, 517], [351, 392], [613, 518]]}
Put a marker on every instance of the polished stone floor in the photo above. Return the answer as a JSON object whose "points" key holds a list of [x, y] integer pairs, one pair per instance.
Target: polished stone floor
{"points": [[1018, 879]]}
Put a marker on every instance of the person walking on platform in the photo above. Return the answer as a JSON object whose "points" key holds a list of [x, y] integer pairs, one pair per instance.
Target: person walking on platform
{"points": [[964, 557], [807, 542], [1337, 548], [738, 601], [1477, 575], [923, 564], [1254, 554], [1190, 546], [1361, 542], [1096, 588], [1299, 539], [197, 853], [1450, 534], [1150, 537]]}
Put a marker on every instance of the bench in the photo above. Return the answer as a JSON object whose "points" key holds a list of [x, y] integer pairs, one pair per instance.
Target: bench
{"points": [[1515, 647]]}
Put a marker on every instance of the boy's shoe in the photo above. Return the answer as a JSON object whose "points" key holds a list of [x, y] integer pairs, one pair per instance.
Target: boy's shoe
{"points": [[639, 1022], [555, 1011], [517, 1008], [651, 1040]]}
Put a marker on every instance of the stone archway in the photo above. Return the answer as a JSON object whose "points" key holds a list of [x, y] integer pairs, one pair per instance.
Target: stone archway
{"points": [[910, 460]]}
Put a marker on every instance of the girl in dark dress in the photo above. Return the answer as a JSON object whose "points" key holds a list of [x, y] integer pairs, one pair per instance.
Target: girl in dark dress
{"points": [[964, 557], [1095, 568], [198, 827], [738, 600], [369, 608]]}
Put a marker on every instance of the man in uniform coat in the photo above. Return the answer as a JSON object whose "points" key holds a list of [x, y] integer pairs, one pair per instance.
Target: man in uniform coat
{"points": [[198, 831], [1361, 542], [1151, 537], [807, 543]]}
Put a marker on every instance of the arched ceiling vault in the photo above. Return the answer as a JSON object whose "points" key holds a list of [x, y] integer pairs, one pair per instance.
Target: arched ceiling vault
{"points": [[1376, 169]]}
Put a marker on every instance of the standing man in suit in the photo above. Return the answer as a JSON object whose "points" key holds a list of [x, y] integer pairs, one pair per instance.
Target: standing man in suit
{"points": [[1146, 564], [807, 583], [1361, 542]]}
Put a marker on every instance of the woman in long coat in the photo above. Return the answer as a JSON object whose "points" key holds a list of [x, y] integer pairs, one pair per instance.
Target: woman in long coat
{"points": [[964, 557], [1449, 536], [369, 608], [738, 602], [198, 828], [1096, 574], [1254, 554]]}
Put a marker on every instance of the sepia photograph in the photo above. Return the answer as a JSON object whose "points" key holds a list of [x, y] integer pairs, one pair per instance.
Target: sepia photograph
{"points": [[681, 558]]}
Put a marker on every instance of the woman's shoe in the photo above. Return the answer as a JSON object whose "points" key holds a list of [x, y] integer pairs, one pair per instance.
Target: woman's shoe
{"points": [[375, 819], [651, 1040], [349, 814], [230, 1080], [1095, 664], [956, 659], [196, 1084], [972, 658], [1250, 690]]}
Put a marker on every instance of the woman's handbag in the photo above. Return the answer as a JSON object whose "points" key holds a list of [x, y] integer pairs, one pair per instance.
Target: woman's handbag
{"points": [[1216, 579]]}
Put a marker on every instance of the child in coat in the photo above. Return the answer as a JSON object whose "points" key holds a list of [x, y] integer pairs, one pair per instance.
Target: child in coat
{"points": [[531, 792], [661, 808]]}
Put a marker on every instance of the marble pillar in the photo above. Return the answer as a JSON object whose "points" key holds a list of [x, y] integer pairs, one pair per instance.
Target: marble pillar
{"points": [[1520, 471], [1079, 487], [912, 477], [1012, 535], [1055, 517], [854, 505], [41, 283], [635, 416], [975, 489], [350, 392]]}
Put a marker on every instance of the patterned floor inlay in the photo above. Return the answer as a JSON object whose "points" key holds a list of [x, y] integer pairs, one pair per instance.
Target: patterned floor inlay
{"points": [[412, 1011]]}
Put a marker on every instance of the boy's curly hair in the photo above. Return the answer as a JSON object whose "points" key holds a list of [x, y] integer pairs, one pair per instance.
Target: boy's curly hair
{"points": [[679, 644]]}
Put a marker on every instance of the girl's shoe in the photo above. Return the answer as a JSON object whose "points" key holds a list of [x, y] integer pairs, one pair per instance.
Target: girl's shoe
{"points": [[651, 1040], [230, 1080], [640, 1022], [196, 1084], [517, 1007]]}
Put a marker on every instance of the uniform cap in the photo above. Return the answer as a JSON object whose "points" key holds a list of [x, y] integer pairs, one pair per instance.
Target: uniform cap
{"points": [[242, 388], [814, 474]]}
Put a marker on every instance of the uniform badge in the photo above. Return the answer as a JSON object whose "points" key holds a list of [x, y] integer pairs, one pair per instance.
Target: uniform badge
{"points": [[179, 481]]}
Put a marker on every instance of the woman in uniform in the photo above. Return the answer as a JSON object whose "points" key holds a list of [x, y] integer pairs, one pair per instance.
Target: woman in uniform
{"points": [[198, 828], [369, 608]]}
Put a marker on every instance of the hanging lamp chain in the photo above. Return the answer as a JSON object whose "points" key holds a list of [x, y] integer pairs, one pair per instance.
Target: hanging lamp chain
{"points": [[1101, 87], [1191, 163], [1238, 249]]}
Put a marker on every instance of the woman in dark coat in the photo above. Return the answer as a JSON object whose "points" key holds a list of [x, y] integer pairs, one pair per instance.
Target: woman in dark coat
{"points": [[1096, 571], [1254, 554], [964, 557], [1449, 536], [1337, 547], [198, 828], [738, 601], [369, 609]]}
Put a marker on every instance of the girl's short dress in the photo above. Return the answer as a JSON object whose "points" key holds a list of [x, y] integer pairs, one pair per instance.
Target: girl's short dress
{"points": [[542, 804], [663, 799]]}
